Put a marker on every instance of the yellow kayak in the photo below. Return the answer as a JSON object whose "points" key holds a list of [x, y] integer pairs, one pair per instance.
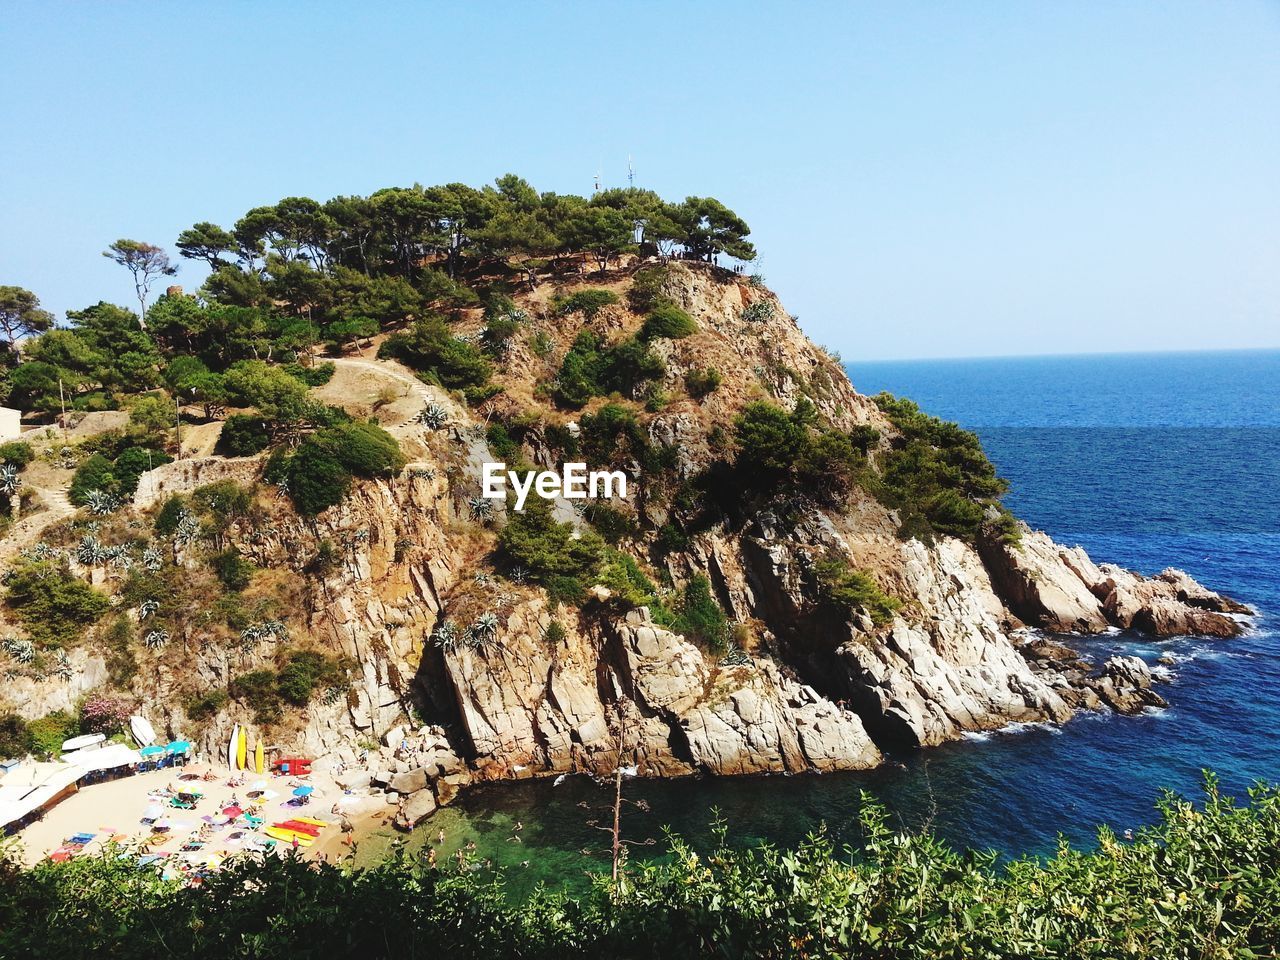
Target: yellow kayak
{"points": [[259, 757], [312, 820], [288, 836], [242, 748]]}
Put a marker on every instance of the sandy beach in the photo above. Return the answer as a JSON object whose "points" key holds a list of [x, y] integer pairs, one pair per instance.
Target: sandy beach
{"points": [[114, 811]]}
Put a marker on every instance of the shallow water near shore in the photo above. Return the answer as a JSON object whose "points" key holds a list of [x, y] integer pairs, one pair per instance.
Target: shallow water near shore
{"points": [[1147, 461]]}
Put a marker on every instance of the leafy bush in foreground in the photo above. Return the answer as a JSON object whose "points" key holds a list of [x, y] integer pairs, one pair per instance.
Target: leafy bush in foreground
{"points": [[1201, 883]]}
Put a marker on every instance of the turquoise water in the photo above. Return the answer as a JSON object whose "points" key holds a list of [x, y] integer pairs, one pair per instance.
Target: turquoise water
{"points": [[1147, 461]]}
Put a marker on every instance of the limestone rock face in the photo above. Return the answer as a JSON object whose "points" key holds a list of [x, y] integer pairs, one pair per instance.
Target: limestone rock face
{"points": [[1061, 589], [738, 719]]}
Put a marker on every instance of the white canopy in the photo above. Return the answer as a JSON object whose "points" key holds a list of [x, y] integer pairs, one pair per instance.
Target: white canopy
{"points": [[107, 758], [31, 786]]}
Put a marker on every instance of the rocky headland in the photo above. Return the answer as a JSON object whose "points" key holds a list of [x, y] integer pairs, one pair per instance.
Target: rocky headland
{"points": [[983, 630]]}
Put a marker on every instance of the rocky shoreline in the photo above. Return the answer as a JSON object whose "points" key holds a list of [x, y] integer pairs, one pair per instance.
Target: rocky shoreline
{"points": [[811, 688]]}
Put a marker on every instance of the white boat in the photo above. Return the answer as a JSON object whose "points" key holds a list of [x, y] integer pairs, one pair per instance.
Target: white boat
{"points": [[83, 741], [142, 731], [232, 744]]}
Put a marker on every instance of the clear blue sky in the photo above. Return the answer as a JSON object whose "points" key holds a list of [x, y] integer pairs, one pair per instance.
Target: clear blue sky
{"points": [[923, 180]]}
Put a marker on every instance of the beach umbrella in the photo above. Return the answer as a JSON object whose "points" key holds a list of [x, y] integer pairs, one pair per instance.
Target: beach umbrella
{"points": [[303, 791], [178, 746]]}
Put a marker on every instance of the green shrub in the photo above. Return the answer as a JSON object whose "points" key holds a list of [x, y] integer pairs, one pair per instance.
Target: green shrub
{"points": [[864, 436], [502, 445], [698, 616], [586, 302], [316, 375], [257, 689], [232, 569], [244, 435], [15, 739], [170, 515], [203, 706], [431, 349], [224, 500], [316, 480], [54, 606], [622, 575], [319, 473], [776, 448], [935, 474], [304, 671], [48, 733], [300, 674], [669, 321], [17, 452], [93, 474], [645, 292], [122, 664], [132, 464], [613, 435], [853, 590], [534, 540], [612, 524], [699, 383]]}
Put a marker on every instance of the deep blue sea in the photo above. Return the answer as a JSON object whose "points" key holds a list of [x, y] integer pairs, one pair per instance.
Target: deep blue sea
{"points": [[1146, 460]]}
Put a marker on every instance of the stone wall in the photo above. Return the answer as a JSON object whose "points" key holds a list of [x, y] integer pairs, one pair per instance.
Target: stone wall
{"points": [[183, 476]]}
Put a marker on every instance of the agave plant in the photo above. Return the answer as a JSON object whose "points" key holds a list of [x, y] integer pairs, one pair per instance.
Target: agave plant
{"points": [[62, 668], [762, 311], [735, 656], [482, 579], [152, 559], [156, 639], [446, 636], [484, 630], [481, 508], [187, 531], [90, 551], [118, 556], [519, 576], [333, 694], [10, 480], [274, 629], [101, 503], [147, 608], [422, 473], [41, 551], [23, 651], [433, 416], [252, 635]]}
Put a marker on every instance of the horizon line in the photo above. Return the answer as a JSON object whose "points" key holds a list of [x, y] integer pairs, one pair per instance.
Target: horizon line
{"points": [[1082, 354]]}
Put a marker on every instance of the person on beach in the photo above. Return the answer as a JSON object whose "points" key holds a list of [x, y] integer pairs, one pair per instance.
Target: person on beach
{"points": [[440, 837], [431, 857]]}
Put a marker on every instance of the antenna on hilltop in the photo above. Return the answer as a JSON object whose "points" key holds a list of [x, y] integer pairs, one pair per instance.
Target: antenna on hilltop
{"points": [[631, 173], [596, 189]]}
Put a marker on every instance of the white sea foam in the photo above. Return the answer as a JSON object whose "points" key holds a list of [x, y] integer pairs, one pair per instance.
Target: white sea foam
{"points": [[1013, 729]]}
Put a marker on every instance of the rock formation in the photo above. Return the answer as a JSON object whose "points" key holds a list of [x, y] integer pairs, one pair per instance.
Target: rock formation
{"points": [[819, 689]]}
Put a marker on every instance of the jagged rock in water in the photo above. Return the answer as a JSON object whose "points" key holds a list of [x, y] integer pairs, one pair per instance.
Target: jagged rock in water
{"points": [[1061, 589]]}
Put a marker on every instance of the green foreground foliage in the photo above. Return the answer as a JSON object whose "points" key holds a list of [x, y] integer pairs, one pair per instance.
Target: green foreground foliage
{"points": [[1201, 883]]}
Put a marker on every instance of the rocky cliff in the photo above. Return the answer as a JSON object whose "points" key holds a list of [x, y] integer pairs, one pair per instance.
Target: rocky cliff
{"points": [[809, 686]]}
